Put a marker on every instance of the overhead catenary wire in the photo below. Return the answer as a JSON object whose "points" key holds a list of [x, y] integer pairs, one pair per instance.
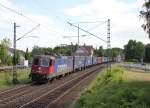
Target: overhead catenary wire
{"points": [[87, 32], [46, 9], [18, 13], [21, 14], [8, 30], [28, 32], [95, 26], [53, 14], [89, 22]]}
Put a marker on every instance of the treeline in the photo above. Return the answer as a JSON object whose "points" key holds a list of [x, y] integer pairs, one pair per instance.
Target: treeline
{"points": [[112, 53], [6, 58], [66, 50], [137, 51]]}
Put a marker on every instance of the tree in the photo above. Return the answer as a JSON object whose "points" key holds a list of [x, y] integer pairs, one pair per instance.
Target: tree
{"points": [[41, 51], [129, 50], [27, 55], [17, 57], [4, 54], [96, 52], [139, 51], [9, 60], [116, 52], [101, 51], [134, 50], [147, 53], [145, 14]]}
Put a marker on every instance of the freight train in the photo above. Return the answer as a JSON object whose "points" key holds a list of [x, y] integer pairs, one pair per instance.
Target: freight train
{"points": [[45, 67]]}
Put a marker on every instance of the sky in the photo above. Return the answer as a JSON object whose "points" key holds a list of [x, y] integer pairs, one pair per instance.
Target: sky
{"points": [[53, 15]]}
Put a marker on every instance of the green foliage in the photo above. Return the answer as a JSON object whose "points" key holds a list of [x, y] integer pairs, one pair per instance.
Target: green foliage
{"points": [[27, 55], [41, 51], [131, 60], [58, 50], [111, 90], [147, 53], [129, 50], [145, 15], [116, 52], [113, 53], [4, 54], [134, 50], [139, 50], [101, 51], [67, 50], [6, 78], [9, 60], [17, 58]]}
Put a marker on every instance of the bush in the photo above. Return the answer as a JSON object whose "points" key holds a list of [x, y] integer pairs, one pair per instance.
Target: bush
{"points": [[132, 60], [6, 78]]}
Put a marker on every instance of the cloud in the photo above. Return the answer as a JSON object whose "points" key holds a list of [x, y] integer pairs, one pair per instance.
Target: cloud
{"points": [[125, 24], [124, 18], [49, 34], [103, 8]]}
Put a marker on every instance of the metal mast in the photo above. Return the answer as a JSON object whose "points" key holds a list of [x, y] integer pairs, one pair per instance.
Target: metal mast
{"points": [[108, 46]]}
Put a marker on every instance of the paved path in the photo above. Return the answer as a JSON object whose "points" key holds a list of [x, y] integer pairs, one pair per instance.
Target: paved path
{"points": [[137, 66]]}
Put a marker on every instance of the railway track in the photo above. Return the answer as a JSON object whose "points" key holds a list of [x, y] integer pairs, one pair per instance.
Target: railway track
{"points": [[9, 69], [49, 98], [56, 103], [9, 92], [40, 96], [6, 98]]}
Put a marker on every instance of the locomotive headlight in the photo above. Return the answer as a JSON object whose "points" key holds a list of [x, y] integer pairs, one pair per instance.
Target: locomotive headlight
{"points": [[39, 68]]}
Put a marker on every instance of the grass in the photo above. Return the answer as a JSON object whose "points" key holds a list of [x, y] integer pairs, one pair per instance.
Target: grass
{"points": [[120, 88], [125, 62], [6, 78]]}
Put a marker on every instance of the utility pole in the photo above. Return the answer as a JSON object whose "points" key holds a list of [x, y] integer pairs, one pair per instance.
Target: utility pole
{"points": [[108, 47], [15, 80], [72, 54], [72, 48], [78, 35]]}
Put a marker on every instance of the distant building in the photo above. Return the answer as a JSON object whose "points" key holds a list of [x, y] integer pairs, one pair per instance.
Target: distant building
{"points": [[84, 51], [22, 53]]}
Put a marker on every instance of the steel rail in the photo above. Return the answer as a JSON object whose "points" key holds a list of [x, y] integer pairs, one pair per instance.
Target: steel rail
{"points": [[27, 105], [69, 90]]}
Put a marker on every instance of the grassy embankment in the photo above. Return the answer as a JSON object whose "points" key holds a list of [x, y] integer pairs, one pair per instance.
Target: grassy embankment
{"points": [[6, 78], [121, 88]]}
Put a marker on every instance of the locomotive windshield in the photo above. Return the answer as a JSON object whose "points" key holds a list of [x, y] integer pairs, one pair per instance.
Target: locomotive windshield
{"points": [[42, 61], [45, 62], [36, 61]]}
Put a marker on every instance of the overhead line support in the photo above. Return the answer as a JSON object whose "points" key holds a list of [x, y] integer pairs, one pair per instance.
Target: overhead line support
{"points": [[86, 32]]}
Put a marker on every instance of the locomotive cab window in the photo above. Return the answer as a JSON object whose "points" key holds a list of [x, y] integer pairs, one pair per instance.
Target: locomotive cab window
{"points": [[36, 61], [50, 62], [45, 62]]}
